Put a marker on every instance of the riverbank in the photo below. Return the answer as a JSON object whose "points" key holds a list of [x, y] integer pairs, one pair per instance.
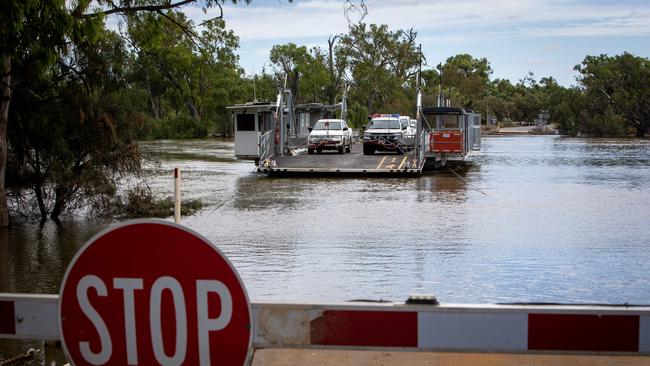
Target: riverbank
{"points": [[523, 131]]}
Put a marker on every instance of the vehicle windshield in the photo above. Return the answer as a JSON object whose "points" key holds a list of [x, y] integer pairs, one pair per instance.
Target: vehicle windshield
{"points": [[384, 123], [322, 125]]}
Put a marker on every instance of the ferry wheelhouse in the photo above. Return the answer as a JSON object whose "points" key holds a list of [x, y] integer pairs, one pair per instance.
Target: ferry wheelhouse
{"points": [[453, 134]]}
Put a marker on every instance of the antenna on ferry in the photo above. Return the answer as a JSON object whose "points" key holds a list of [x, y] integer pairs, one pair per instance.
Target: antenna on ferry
{"points": [[419, 83], [254, 88], [440, 98], [344, 102]]}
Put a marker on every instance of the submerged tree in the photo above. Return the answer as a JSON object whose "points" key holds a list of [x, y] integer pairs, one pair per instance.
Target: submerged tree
{"points": [[34, 35], [71, 135], [622, 83]]}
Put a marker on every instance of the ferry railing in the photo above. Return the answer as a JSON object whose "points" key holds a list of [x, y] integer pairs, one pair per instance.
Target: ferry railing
{"points": [[414, 145], [266, 144], [407, 144], [422, 148]]}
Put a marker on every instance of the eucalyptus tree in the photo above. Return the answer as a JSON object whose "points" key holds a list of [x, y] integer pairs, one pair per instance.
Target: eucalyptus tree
{"points": [[466, 79], [622, 83], [70, 133], [379, 61], [34, 34]]}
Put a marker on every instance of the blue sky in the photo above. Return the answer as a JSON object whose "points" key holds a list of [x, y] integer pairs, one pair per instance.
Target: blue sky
{"points": [[516, 36]]}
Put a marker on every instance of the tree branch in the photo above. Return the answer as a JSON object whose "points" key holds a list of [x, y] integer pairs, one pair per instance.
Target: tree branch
{"points": [[189, 33], [211, 19], [132, 9]]}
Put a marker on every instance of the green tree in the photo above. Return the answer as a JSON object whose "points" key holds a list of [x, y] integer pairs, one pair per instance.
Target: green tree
{"points": [[32, 33], [290, 61], [195, 76], [622, 83], [380, 62], [313, 75], [70, 136], [466, 79]]}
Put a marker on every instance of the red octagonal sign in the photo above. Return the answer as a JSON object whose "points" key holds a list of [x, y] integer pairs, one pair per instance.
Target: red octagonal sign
{"points": [[150, 292]]}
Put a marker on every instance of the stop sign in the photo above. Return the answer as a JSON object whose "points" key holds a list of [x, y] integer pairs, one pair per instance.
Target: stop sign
{"points": [[150, 292]]}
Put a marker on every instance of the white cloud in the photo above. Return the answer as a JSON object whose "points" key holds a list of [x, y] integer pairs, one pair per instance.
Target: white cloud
{"points": [[434, 19], [311, 18]]}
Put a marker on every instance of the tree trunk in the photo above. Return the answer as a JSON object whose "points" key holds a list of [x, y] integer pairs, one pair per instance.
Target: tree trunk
{"points": [[155, 110], [192, 108], [154, 102], [60, 198], [641, 130], [38, 192], [5, 77]]}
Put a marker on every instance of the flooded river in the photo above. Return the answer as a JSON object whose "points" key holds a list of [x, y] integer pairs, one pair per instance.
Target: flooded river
{"points": [[535, 218]]}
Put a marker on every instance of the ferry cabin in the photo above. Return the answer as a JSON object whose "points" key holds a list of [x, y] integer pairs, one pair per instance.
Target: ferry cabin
{"points": [[252, 120], [453, 133]]}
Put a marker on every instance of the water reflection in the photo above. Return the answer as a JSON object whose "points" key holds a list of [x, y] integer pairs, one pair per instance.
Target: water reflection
{"points": [[35, 256]]}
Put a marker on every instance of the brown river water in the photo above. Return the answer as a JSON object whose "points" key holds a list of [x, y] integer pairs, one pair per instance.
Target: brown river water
{"points": [[533, 219]]}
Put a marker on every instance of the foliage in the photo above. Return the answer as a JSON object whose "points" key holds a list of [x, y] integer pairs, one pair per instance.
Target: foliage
{"points": [[70, 138], [185, 74], [465, 79], [380, 62], [40, 45], [620, 85], [357, 116], [140, 202]]}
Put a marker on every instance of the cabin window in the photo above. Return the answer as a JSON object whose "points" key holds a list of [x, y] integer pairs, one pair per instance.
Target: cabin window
{"points": [[447, 121], [245, 122]]}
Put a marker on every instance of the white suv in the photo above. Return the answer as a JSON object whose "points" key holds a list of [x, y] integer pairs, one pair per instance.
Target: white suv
{"points": [[384, 132], [329, 134]]}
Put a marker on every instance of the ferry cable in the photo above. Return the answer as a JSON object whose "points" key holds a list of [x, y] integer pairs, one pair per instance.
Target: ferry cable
{"points": [[232, 194], [470, 184]]}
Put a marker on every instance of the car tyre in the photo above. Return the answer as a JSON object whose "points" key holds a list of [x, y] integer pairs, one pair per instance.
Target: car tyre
{"points": [[348, 148], [310, 151], [368, 150], [340, 149]]}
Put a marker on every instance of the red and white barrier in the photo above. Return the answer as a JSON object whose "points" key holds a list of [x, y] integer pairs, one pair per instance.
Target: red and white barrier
{"points": [[455, 327], [518, 328], [25, 316]]}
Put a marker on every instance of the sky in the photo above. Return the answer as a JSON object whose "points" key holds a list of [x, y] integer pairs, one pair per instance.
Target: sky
{"points": [[547, 37]]}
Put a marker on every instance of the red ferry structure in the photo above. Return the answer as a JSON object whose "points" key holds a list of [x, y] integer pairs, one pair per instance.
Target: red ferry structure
{"points": [[453, 135]]}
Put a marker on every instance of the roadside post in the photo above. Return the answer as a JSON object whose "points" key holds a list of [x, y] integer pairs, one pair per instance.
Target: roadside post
{"points": [[151, 292], [177, 195]]}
